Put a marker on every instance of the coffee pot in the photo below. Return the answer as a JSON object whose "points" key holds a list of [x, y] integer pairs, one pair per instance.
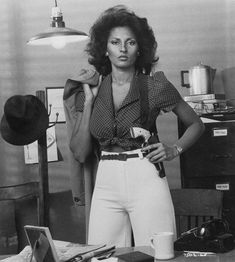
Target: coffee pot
{"points": [[200, 79]]}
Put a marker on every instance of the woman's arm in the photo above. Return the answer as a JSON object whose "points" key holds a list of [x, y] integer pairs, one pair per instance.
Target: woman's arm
{"points": [[192, 122], [194, 129]]}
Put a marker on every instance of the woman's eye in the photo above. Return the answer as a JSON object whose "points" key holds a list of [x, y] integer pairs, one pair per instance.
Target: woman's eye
{"points": [[114, 42], [132, 42]]}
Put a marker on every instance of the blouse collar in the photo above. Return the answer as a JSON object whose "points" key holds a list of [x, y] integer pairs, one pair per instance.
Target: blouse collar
{"points": [[105, 92]]}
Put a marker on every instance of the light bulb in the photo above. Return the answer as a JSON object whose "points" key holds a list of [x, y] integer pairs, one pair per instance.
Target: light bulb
{"points": [[58, 42]]}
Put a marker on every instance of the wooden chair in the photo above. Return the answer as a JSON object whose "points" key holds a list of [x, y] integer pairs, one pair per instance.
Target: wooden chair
{"points": [[19, 205], [193, 206], [19, 191]]}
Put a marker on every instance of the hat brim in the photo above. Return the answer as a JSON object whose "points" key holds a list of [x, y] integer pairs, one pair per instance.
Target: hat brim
{"points": [[32, 134]]}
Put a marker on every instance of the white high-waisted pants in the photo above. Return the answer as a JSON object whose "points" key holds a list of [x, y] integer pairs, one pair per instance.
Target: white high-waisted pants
{"points": [[129, 194]]}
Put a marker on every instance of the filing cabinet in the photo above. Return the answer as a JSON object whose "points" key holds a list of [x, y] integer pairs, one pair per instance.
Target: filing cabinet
{"points": [[210, 162]]}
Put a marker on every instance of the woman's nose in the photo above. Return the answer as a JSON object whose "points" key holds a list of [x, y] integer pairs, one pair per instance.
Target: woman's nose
{"points": [[123, 47]]}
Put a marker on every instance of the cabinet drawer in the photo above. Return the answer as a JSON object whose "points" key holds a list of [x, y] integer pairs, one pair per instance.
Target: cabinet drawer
{"points": [[213, 154]]}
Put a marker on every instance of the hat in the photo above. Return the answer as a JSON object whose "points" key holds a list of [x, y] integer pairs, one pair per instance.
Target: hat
{"points": [[25, 119]]}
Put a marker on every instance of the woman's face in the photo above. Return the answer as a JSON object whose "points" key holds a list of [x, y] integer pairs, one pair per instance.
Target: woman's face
{"points": [[122, 47]]}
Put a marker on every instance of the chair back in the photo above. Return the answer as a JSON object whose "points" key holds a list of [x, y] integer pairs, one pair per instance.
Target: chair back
{"points": [[18, 206], [193, 206]]}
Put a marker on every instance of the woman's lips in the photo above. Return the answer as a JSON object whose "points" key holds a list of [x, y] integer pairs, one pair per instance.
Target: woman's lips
{"points": [[123, 58]]}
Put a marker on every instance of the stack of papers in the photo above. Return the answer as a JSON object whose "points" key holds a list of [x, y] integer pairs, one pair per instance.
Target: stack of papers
{"points": [[67, 250]]}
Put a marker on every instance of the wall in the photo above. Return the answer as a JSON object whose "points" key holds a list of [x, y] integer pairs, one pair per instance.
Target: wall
{"points": [[187, 32]]}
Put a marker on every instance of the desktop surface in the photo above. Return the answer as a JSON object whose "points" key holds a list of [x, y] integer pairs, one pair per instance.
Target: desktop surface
{"points": [[179, 256]]}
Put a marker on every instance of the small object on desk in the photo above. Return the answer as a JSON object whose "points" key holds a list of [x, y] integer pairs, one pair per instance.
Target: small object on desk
{"points": [[198, 254], [105, 256], [109, 259], [136, 256], [99, 252]]}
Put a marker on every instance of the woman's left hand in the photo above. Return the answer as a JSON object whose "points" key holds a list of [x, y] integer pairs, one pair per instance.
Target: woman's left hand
{"points": [[160, 152]]}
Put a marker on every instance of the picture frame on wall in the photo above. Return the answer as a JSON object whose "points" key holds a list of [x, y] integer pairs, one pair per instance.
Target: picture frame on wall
{"points": [[31, 150], [54, 103]]}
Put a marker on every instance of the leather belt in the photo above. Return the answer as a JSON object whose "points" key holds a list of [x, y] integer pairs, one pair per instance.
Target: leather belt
{"points": [[124, 157], [121, 156]]}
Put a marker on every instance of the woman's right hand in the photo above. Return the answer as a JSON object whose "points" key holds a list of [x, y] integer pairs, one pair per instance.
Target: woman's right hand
{"points": [[91, 92]]}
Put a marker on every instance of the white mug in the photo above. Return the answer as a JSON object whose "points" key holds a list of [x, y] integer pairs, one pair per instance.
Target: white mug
{"points": [[163, 244]]}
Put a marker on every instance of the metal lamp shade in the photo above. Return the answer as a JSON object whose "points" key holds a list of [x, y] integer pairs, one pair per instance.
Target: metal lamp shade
{"points": [[57, 35], [68, 35]]}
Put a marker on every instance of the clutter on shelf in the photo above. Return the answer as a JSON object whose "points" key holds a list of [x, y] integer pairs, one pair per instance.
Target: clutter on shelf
{"points": [[209, 103]]}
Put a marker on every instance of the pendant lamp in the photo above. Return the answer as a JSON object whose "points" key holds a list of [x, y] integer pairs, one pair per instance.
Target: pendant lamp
{"points": [[57, 35]]}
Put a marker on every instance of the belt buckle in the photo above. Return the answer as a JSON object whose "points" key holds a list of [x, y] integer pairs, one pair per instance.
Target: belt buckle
{"points": [[141, 156], [122, 157]]}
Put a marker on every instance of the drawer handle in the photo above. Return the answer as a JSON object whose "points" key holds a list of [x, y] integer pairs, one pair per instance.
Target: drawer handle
{"points": [[221, 156]]}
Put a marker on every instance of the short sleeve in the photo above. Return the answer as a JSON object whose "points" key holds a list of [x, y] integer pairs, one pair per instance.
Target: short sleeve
{"points": [[162, 93]]}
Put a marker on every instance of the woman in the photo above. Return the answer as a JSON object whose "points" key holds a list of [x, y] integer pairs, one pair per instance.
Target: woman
{"points": [[130, 193]]}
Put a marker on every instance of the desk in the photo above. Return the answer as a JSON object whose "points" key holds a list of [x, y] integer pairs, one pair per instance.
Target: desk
{"points": [[223, 257], [179, 257]]}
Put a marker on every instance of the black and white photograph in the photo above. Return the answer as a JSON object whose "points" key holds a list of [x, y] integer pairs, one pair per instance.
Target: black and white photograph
{"points": [[117, 130]]}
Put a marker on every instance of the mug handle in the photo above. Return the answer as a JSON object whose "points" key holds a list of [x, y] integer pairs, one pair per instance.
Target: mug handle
{"points": [[182, 78], [151, 242]]}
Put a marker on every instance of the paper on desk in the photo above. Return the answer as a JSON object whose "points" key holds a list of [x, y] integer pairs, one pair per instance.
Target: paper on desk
{"points": [[208, 120], [23, 256], [63, 246], [110, 259], [198, 253], [63, 250], [66, 250], [97, 252]]}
